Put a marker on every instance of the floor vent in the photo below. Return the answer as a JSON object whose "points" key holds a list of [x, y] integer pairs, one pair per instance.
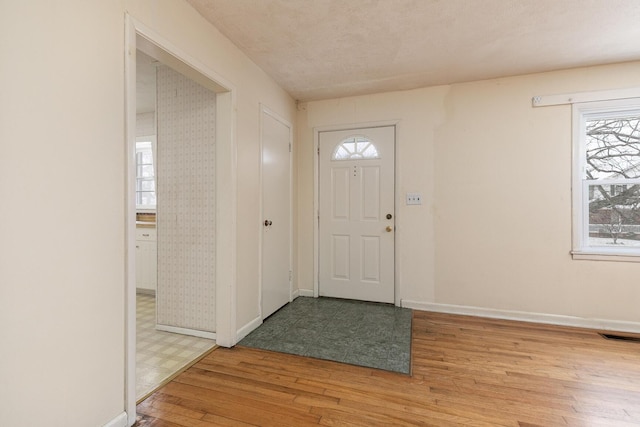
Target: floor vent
{"points": [[620, 337]]}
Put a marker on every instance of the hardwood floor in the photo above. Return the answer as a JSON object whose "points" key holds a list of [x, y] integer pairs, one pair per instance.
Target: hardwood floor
{"points": [[466, 371]]}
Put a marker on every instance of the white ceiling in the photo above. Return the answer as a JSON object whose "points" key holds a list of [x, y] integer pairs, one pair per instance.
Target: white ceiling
{"points": [[318, 49]]}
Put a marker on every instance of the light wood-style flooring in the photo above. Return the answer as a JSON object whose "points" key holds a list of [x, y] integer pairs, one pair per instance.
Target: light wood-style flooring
{"points": [[466, 371]]}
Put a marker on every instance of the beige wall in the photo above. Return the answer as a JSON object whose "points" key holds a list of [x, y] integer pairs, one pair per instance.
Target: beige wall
{"points": [[61, 247], [62, 213], [503, 202], [418, 113], [494, 229]]}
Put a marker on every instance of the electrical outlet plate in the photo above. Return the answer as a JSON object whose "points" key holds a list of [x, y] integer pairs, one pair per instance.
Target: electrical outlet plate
{"points": [[414, 199]]}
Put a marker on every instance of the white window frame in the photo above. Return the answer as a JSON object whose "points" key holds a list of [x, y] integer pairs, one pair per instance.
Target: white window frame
{"points": [[152, 139], [581, 112], [358, 154]]}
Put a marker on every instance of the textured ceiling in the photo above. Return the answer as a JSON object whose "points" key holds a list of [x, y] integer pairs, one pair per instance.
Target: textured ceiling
{"points": [[319, 49]]}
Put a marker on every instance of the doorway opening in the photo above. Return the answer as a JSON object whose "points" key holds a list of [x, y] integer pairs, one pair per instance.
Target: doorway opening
{"points": [[221, 296], [162, 351]]}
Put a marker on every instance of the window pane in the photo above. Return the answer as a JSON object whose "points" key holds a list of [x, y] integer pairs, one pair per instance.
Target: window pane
{"points": [[147, 185], [146, 198], [341, 154], [613, 148], [355, 148], [614, 215], [361, 145], [147, 157], [349, 146], [145, 171], [370, 152]]}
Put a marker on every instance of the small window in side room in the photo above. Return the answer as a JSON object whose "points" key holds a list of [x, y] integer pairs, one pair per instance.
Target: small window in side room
{"points": [[606, 183], [145, 174]]}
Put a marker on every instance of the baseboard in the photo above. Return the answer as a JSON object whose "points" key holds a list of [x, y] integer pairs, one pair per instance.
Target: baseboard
{"points": [[552, 319], [248, 328], [119, 421], [146, 291], [295, 294], [187, 331], [306, 292]]}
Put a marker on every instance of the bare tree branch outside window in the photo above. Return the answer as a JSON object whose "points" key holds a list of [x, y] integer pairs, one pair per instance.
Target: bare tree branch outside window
{"points": [[613, 153]]}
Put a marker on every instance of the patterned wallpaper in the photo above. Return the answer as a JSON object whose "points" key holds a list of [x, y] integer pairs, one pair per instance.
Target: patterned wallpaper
{"points": [[186, 202]]}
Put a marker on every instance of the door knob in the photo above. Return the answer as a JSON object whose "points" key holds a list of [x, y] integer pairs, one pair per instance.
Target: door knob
{"points": [[267, 223], [389, 229]]}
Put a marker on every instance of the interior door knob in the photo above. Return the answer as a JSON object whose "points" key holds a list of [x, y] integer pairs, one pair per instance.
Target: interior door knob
{"points": [[389, 229]]}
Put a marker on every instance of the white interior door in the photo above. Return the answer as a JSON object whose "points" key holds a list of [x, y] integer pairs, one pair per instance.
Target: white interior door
{"points": [[356, 214], [276, 210]]}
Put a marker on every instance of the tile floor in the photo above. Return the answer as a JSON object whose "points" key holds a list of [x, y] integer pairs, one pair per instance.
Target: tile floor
{"points": [[355, 332], [161, 354]]}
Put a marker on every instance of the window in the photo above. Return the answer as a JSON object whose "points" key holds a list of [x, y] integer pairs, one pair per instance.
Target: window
{"points": [[355, 148], [145, 174], [606, 188]]}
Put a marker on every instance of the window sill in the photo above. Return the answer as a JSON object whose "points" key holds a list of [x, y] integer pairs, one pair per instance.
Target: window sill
{"points": [[606, 256]]}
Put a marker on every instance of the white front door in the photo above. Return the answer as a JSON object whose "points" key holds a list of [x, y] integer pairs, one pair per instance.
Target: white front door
{"points": [[276, 213], [356, 214]]}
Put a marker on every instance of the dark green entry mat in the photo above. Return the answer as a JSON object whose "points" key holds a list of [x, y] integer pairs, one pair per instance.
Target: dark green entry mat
{"points": [[355, 332]]}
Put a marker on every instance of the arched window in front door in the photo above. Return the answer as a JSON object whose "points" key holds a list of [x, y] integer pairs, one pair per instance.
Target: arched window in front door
{"points": [[355, 147]]}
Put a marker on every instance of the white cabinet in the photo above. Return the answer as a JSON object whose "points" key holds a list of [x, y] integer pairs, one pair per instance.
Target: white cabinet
{"points": [[146, 259]]}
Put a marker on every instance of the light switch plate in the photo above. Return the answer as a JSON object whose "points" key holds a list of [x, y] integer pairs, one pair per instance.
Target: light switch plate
{"points": [[414, 199]]}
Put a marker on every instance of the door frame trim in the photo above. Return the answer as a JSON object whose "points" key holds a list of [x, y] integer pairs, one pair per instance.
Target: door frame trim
{"points": [[268, 111], [137, 35], [316, 200]]}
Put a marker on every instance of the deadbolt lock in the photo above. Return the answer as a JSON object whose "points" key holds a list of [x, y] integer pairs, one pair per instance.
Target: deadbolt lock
{"points": [[389, 216]]}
